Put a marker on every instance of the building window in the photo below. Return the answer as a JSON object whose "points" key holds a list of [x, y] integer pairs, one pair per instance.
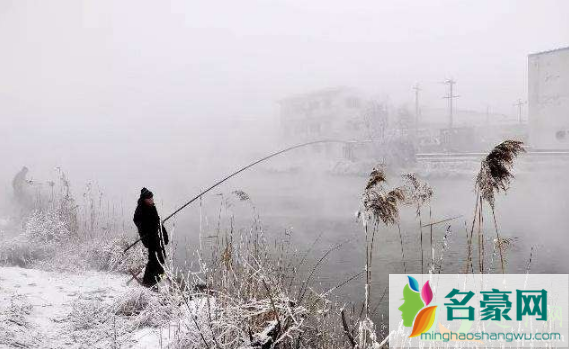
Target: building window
{"points": [[353, 102], [561, 135]]}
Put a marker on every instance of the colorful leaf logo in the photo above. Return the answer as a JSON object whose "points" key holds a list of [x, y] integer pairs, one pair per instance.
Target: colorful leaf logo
{"points": [[423, 321], [426, 293], [413, 284], [413, 311]]}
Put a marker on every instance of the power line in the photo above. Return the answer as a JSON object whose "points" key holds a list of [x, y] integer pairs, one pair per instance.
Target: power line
{"points": [[450, 97], [417, 110]]}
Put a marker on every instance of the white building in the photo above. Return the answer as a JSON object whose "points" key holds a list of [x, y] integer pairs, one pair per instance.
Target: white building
{"points": [[328, 113], [334, 113], [548, 99]]}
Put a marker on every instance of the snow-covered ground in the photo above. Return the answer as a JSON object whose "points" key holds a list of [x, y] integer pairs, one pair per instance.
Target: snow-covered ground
{"points": [[37, 309]]}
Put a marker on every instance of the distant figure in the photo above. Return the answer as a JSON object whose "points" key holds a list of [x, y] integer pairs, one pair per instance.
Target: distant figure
{"points": [[154, 239], [20, 185]]}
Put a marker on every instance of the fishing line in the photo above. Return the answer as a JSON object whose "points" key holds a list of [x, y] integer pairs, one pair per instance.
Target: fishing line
{"points": [[239, 171]]}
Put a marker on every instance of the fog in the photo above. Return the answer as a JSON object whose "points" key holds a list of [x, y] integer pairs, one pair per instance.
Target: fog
{"points": [[175, 95], [116, 91]]}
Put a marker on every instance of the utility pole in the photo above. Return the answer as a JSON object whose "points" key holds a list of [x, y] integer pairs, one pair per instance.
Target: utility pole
{"points": [[519, 104], [417, 110], [450, 97]]}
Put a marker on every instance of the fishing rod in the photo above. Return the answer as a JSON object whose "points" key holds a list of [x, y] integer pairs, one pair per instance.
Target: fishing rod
{"points": [[441, 221], [236, 173]]}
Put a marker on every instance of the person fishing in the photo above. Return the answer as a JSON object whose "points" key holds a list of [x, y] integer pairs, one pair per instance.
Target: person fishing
{"points": [[21, 186], [153, 236]]}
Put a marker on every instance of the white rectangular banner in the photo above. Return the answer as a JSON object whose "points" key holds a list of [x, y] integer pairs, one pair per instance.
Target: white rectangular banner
{"points": [[471, 310]]}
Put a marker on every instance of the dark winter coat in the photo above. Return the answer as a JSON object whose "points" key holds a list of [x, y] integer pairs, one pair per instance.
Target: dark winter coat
{"points": [[148, 223]]}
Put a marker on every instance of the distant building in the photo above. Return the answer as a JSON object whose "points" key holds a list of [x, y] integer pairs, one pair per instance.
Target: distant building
{"points": [[327, 113], [335, 113], [473, 131], [548, 99]]}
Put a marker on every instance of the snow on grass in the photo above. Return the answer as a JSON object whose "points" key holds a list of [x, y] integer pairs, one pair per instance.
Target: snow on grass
{"points": [[41, 309]]}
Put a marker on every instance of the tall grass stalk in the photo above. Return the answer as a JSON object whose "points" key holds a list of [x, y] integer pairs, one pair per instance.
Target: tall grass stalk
{"points": [[380, 205], [495, 175], [418, 193], [402, 251], [431, 231]]}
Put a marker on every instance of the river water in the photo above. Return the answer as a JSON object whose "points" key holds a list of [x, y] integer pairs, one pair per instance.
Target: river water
{"points": [[310, 206]]}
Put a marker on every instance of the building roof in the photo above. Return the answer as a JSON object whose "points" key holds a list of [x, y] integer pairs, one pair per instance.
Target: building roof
{"points": [[549, 51]]}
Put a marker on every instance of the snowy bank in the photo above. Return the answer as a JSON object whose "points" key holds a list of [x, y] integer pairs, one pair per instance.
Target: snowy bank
{"points": [[41, 309]]}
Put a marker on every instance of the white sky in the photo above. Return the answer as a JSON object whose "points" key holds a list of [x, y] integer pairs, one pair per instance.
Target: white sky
{"points": [[85, 77]]}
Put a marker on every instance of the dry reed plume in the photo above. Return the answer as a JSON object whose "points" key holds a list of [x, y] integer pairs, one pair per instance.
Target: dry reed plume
{"points": [[495, 175], [496, 170], [379, 205]]}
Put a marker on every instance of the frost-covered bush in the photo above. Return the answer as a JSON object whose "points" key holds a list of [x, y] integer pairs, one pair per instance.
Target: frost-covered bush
{"points": [[147, 307], [47, 227], [22, 254], [42, 234], [59, 234], [136, 308], [106, 254], [47, 243], [101, 253]]}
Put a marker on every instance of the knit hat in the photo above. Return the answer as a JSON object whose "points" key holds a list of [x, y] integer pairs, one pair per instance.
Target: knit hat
{"points": [[145, 194]]}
